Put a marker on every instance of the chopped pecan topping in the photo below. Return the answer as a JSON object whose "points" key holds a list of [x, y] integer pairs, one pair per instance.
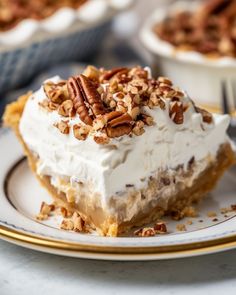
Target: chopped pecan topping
{"points": [[86, 99], [119, 130], [156, 101], [101, 139], [176, 112], [111, 73], [44, 104], [53, 106], [56, 92], [138, 128], [63, 126], [81, 131], [48, 105], [121, 107], [148, 120], [206, 116], [134, 112], [92, 73], [113, 103], [114, 119], [165, 81], [66, 109]]}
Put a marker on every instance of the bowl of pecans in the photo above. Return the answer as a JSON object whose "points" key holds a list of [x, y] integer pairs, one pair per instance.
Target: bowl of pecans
{"points": [[37, 34], [198, 40]]}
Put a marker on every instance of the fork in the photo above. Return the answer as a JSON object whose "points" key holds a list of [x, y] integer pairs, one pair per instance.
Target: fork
{"points": [[226, 109]]}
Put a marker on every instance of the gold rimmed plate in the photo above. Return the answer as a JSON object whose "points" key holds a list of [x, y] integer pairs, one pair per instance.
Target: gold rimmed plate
{"points": [[21, 197]]}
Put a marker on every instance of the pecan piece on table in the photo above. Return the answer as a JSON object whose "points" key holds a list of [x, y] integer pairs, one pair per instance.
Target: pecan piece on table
{"points": [[86, 99]]}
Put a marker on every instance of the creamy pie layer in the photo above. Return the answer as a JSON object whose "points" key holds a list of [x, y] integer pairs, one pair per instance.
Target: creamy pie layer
{"points": [[119, 147], [126, 204], [125, 161]]}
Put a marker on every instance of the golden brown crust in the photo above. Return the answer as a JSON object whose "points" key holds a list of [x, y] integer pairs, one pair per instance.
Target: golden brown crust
{"points": [[107, 225]]}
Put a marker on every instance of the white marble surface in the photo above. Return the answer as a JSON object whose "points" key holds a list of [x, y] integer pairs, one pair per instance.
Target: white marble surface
{"points": [[23, 271]]}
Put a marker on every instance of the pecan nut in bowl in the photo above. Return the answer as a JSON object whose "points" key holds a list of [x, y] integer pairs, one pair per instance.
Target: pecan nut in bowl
{"points": [[194, 43]]}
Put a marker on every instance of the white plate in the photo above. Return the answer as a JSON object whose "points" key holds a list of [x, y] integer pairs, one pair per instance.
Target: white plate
{"points": [[21, 196]]}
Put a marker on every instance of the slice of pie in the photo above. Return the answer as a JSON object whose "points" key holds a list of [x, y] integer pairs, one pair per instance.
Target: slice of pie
{"points": [[120, 147]]}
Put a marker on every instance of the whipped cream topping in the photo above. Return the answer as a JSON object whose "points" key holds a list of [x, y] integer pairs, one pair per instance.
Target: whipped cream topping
{"points": [[125, 160]]}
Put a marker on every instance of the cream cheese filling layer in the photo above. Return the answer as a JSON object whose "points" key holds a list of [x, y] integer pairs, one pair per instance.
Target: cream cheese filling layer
{"points": [[127, 204], [125, 160]]}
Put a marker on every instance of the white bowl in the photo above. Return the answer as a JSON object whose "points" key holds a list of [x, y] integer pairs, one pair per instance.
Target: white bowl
{"points": [[199, 75]]}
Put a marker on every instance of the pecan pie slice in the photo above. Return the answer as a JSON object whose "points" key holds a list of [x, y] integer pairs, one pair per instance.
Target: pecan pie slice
{"points": [[120, 148]]}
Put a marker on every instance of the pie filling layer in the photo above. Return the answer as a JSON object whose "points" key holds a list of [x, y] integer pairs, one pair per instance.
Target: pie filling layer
{"points": [[120, 147]]}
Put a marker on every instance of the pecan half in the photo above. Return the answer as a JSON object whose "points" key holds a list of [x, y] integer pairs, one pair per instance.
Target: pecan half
{"points": [[86, 99], [118, 124], [116, 118]]}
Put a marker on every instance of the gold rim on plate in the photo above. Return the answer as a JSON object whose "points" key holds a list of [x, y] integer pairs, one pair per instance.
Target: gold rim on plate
{"points": [[34, 240], [187, 249], [50, 243]]}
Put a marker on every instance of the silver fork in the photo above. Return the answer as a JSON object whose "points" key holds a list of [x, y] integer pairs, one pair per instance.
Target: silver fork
{"points": [[227, 109]]}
